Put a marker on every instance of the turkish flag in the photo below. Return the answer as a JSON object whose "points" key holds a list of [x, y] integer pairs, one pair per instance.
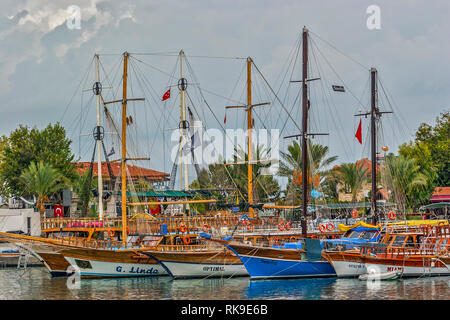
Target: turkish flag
{"points": [[58, 211], [166, 95], [225, 118], [358, 134]]}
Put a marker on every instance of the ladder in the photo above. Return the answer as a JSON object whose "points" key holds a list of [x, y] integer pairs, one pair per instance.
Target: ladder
{"points": [[23, 261]]}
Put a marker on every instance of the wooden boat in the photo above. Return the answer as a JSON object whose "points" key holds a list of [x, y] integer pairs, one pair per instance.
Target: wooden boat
{"points": [[270, 262], [422, 260], [349, 262], [197, 261]]}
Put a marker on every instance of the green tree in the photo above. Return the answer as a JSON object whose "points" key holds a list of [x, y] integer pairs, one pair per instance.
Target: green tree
{"points": [[24, 146], [229, 177], [401, 176], [42, 181], [82, 185], [291, 165], [352, 176], [431, 151]]}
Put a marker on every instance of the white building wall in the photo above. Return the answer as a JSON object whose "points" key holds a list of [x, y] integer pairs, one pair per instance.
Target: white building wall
{"points": [[16, 219]]}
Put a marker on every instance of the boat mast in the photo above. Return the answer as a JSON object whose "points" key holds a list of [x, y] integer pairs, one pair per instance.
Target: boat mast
{"points": [[375, 114], [124, 149], [182, 85], [249, 138], [305, 131], [373, 136], [99, 141]]}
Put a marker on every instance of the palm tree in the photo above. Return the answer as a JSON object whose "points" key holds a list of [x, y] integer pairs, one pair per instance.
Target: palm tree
{"points": [[353, 177], [402, 175], [291, 165], [42, 180], [82, 185], [235, 176]]}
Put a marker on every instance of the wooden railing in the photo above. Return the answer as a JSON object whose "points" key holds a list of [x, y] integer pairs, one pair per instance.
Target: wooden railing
{"points": [[396, 252], [169, 224], [49, 224]]}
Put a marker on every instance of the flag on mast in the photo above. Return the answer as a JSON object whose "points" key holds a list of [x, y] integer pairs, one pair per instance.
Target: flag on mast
{"points": [[166, 95], [358, 134]]}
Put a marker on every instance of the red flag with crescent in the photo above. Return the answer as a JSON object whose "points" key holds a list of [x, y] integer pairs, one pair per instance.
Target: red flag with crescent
{"points": [[358, 134], [58, 210], [166, 95]]}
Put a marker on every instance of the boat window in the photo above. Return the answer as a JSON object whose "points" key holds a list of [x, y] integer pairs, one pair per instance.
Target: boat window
{"points": [[409, 242], [398, 241], [444, 244], [355, 234], [368, 234], [83, 264]]}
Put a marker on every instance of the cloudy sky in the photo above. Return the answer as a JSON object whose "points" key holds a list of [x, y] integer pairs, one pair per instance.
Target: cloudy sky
{"points": [[43, 62]]}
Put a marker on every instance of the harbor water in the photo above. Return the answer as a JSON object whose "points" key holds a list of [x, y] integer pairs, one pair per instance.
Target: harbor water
{"points": [[36, 284]]}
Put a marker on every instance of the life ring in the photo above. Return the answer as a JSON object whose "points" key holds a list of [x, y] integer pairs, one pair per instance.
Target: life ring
{"points": [[250, 226], [287, 226], [330, 226], [206, 227], [322, 228], [391, 215], [111, 233], [182, 227], [281, 226], [186, 240], [355, 214]]}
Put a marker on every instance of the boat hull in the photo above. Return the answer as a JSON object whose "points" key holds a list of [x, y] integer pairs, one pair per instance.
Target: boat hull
{"points": [[410, 267], [271, 263], [210, 264], [92, 263], [55, 263], [346, 264]]}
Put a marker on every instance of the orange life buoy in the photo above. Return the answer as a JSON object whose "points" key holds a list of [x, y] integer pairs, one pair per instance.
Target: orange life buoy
{"points": [[287, 226], [206, 227], [391, 215], [330, 226], [322, 228], [111, 233], [186, 240], [250, 226], [281, 226], [182, 227], [355, 214]]}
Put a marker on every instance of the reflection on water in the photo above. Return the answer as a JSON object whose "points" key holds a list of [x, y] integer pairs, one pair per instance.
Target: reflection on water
{"points": [[36, 283]]}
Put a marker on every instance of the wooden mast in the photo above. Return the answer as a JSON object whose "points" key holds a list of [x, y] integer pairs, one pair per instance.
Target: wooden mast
{"points": [[124, 150], [249, 137], [249, 108], [304, 132], [373, 135]]}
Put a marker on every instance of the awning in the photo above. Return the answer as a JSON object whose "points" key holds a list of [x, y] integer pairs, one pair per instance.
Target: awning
{"points": [[440, 198], [155, 193], [435, 206]]}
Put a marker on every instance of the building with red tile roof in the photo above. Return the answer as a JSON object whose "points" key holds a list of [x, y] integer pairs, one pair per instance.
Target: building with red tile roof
{"points": [[134, 172]]}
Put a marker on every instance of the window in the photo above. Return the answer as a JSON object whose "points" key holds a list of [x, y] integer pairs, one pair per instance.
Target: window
{"points": [[368, 235], [355, 234], [398, 241], [83, 264], [444, 244]]}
